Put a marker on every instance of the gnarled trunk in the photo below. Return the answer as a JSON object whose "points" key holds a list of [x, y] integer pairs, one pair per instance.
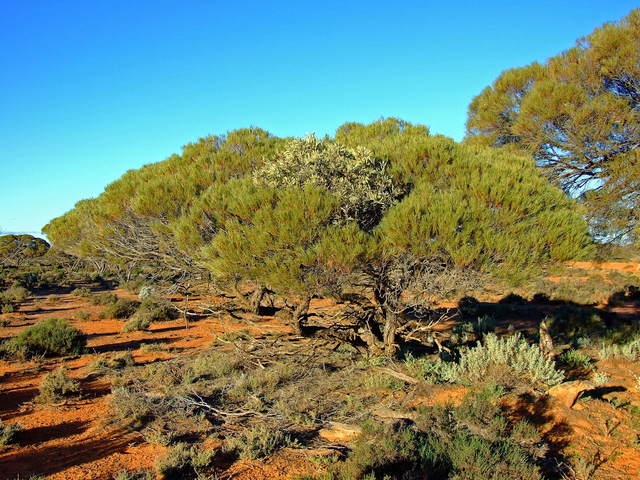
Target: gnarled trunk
{"points": [[300, 314], [389, 332], [256, 299]]}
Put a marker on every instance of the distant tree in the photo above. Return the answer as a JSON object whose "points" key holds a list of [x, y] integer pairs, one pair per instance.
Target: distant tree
{"points": [[17, 248], [579, 115]]}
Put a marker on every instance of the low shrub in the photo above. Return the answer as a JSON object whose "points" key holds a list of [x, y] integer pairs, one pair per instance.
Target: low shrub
{"points": [[104, 365], [84, 316], [15, 294], [629, 350], [104, 299], [50, 337], [56, 386], [183, 461], [157, 309], [8, 308], [137, 323], [259, 441], [81, 292], [135, 475], [121, 308], [9, 433], [512, 353], [575, 359]]}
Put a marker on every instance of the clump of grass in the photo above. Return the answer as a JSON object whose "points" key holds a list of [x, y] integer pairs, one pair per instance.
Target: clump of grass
{"points": [[575, 359], [83, 316], [15, 294], [104, 299], [9, 433], [104, 365], [56, 386], [50, 337], [81, 292], [135, 475], [136, 323], [259, 441], [121, 308], [151, 348], [183, 460], [8, 308], [629, 350]]}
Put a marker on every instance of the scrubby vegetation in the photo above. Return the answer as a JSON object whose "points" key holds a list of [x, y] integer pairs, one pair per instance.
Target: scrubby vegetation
{"points": [[362, 244], [48, 338]]}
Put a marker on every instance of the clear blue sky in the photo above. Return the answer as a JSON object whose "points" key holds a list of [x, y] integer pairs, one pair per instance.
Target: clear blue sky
{"points": [[89, 89]]}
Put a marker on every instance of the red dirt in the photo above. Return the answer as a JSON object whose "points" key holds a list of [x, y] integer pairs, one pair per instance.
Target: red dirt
{"points": [[73, 441]]}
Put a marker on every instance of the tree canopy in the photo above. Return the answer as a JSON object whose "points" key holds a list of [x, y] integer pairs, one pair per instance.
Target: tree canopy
{"points": [[384, 207], [579, 115]]}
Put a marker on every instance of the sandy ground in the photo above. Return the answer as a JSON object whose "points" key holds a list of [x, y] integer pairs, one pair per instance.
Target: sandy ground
{"points": [[73, 441]]}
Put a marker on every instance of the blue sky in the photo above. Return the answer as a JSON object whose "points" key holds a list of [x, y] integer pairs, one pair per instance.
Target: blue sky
{"points": [[89, 90]]}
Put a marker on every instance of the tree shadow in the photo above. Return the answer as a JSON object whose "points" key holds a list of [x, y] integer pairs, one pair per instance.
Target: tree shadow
{"points": [[49, 460], [47, 433], [129, 345]]}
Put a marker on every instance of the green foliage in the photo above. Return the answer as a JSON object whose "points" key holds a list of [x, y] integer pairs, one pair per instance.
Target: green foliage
{"points": [[495, 356], [183, 461], [9, 434], [56, 386], [50, 337], [121, 308], [360, 182], [16, 248], [135, 475], [629, 350], [15, 294], [104, 299], [472, 442], [259, 441], [578, 115], [137, 323]]}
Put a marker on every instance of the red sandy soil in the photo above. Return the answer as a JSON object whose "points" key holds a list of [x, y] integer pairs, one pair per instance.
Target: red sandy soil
{"points": [[73, 441]]}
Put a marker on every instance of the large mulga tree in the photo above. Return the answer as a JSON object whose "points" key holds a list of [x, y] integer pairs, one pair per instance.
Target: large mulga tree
{"points": [[422, 208], [579, 116]]}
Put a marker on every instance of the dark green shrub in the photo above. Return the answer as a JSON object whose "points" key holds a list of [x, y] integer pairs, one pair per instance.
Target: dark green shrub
{"points": [[14, 294], [259, 441], [50, 337], [121, 308], [157, 309], [56, 386], [104, 299], [81, 292], [137, 323], [182, 461]]}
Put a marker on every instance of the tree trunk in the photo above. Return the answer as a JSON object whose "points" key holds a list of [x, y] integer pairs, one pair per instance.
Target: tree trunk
{"points": [[389, 332], [300, 314], [256, 299]]}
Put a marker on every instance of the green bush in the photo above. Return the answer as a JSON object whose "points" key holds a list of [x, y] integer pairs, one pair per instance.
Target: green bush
{"points": [[14, 294], [121, 308], [50, 337], [629, 350], [575, 359], [81, 292], [9, 433], [137, 323], [512, 354], [56, 386], [259, 441], [8, 308], [104, 299], [182, 460], [135, 475]]}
